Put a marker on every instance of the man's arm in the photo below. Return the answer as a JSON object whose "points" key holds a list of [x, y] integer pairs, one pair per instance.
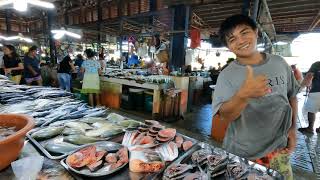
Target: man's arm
{"points": [[294, 106], [292, 135], [231, 110], [252, 87]]}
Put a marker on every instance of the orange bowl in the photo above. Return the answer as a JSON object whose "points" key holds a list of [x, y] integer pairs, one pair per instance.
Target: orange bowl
{"points": [[11, 146]]}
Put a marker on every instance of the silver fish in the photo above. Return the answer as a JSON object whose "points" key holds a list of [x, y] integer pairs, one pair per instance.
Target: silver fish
{"points": [[100, 131], [96, 113], [129, 123], [60, 147], [81, 139], [71, 131], [111, 133], [101, 124], [78, 125], [91, 120], [47, 133]]}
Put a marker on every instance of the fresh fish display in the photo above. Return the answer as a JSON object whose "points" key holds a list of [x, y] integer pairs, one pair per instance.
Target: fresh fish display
{"points": [[78, 125], [71, 131], [100, 131], [60, 147], [101, 124], [91, 120], [129, 123], [47, 133], [112, 132], [94, 161], [81, 139], [97, 113]]}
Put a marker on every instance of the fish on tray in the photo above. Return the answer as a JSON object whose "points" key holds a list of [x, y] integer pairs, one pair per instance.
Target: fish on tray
{"points": [[105, 131], [79, 139], [47, 133], [145, 161], [71, 131], [79, 125], [112, 132], [91, 120], [177, 171], [93, 159], [129, 123], [60, 147]]}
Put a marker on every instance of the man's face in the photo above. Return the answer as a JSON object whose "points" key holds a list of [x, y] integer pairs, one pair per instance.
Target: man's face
{"points": [[33, 53], [6, 51], [242, 41]]}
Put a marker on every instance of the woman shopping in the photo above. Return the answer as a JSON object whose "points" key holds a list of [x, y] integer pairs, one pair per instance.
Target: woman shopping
{"points": [[91, 81], [32, 72], [12, 64], [65, 68]]}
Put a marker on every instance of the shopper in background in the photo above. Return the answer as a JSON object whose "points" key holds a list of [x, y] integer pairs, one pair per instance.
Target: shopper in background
{"points": [[12, 64], [219, 67], [79, 60], [32, 72], [297, 73], [312, 106], [91, 81], [256, 96], [65, 67], [1, 61], [102, 59]]}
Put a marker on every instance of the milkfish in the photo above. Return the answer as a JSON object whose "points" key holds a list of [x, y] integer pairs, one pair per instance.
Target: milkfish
{"points": [[47, 133], [71, 131], [98, 132], [78, 125], [60, 147], [81, 139]]}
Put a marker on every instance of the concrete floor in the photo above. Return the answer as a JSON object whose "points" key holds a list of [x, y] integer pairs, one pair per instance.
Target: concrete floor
{"points": [[305, 159]]}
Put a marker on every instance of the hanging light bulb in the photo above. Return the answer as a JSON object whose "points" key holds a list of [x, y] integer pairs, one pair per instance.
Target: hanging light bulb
{"points": [[58, 34], [20, 5]]}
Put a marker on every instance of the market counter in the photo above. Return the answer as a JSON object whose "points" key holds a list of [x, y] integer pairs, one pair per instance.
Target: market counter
{"points": [[111, 91]]}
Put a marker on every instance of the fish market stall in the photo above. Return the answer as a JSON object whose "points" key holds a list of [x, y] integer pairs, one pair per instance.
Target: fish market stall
{"points": [[112, 88], [74, 141]]}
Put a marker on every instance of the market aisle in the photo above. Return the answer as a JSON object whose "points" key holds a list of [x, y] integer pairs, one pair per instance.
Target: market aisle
{"points": [[312, 141]]}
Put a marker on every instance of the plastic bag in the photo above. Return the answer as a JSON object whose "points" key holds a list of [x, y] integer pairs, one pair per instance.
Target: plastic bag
{"points": [[27, 168]]}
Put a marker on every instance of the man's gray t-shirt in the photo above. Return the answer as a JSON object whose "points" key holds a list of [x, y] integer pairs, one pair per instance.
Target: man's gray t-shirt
{"points": [[263, 125]]}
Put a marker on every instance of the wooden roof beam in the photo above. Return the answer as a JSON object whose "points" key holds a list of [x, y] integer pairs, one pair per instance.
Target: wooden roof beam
{"points": [[315, 22]]}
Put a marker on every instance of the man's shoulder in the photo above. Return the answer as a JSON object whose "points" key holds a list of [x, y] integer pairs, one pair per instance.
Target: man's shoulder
{"points": [[274, 57]]}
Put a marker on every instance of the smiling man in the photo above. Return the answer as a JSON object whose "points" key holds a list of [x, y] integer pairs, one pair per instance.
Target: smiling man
{"points": [[256, 95]]}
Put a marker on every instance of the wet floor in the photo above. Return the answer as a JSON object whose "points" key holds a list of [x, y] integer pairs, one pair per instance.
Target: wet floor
{"points": [[305, 159]]}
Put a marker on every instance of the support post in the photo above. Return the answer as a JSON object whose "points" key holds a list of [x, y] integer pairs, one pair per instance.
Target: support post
{"points": [[8, 19], [53, 50], [181, 15], [99, 10], [256, 6], [245, 7]]}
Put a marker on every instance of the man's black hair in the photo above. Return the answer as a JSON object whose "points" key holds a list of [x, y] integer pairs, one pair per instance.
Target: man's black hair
{"points": [[90, 53], [229, 24], [33, 48]]}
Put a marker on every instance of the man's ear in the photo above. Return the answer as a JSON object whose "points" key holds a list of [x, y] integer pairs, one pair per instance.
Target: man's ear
{"points": [[257, 31]]}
